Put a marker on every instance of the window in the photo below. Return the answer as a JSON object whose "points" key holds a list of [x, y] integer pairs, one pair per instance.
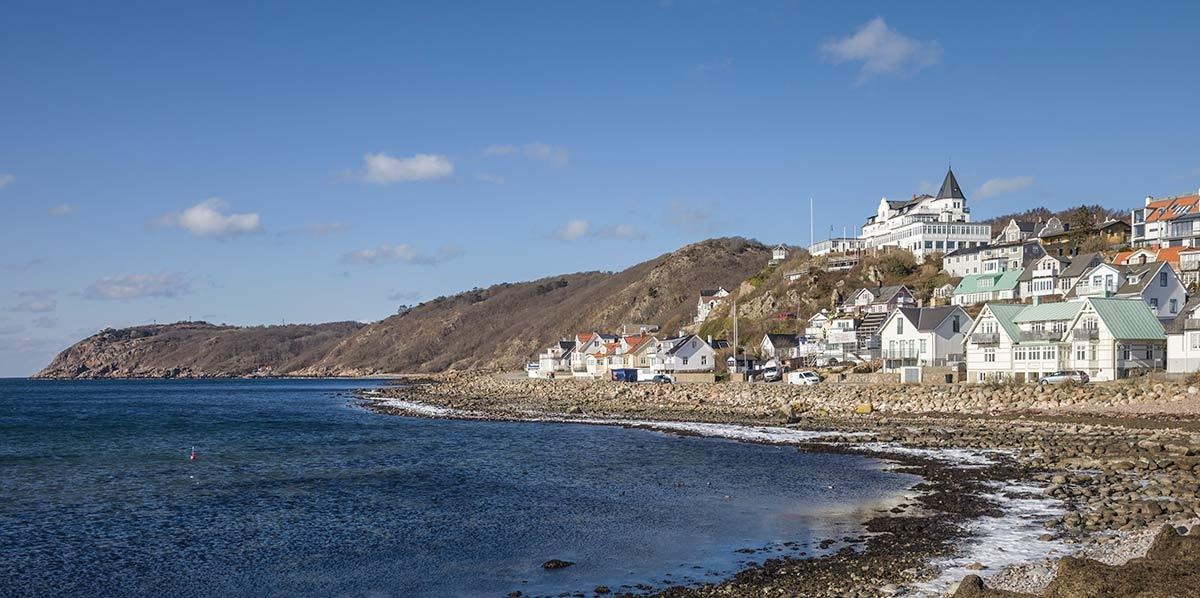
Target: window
{"points": [[989, 355], [1195, 338], [1081, 352], [1019, 354], [957, 326], [703, 360], [1174, 306], [1162, 279], [685, 361], [922, 345], [1154, 302], [900, 325], [1125, 353]]}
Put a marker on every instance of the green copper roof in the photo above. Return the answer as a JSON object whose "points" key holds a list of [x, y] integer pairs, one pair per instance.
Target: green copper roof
{"points": [[1001, 281], [1005, 312], [1128, 319], [1049, 311]]}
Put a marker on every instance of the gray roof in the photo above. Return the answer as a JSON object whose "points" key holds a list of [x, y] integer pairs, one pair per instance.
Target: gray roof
{"points": [[1145, 273], [1027, 275], [1176, 326], [950, 188], [1082, 263], [927, 319], [784, 341]]}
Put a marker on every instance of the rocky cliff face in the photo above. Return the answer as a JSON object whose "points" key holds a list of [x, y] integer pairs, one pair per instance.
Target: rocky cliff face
{"points": [[502, 326]]}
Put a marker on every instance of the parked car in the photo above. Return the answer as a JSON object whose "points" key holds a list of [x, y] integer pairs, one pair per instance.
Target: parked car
{"points": [[805, 377], [662, 379], [1062, 377], [771, 374]]}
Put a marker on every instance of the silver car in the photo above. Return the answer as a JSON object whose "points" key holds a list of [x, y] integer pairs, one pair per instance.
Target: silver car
{"points": [[1065, 376]]}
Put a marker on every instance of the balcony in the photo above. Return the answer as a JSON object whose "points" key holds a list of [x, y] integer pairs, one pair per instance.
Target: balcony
{"points": [[986, 338], [1087, 334], [1087, 289], [1040, 335], [1191, 324], [901, 353]]}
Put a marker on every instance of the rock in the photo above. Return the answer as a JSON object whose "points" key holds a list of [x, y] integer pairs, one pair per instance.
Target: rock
{"points": [[864, 408], [556, 564], [602, 590], [976, 566]]}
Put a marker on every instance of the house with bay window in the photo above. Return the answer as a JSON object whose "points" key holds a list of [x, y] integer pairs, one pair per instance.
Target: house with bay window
{"points": [[1107, 337]]}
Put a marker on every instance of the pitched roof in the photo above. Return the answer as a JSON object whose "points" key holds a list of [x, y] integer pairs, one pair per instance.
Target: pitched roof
{"points": [[1161, 254], [927, 319], [1176, 326], [1081, 263], [585, 337], [783, 341], [1005, 312], [950, 188], [1128, 319], [1001, 281], [1045, 312], [1173, 207], [885, 294], [1144, 273]]}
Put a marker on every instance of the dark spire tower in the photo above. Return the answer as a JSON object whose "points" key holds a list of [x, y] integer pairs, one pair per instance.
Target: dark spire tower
{"points": [[950, 188]]}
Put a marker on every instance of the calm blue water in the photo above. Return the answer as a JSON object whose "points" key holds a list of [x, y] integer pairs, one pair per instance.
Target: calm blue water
{"points": [[298, 492]]}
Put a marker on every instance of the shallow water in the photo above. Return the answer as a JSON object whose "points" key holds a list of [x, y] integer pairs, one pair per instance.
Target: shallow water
{"points": [[297, 491]]}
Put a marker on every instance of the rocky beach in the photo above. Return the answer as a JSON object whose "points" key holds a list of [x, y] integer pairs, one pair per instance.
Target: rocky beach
{"points": [[1069, 490]]}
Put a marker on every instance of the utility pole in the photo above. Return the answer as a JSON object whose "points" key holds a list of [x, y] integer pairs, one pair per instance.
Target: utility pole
{"points": [[811, 225], [736, 344]]}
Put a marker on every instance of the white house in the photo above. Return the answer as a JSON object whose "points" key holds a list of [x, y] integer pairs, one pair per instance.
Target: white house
{"points": [[1183, 339], [1016, 231], [1040, 278], [815, 328], [926, 224], [1077, 267], [779, 253], [555, 360], [588, 344], [836, 245], [684, 354], [1167, 222], [1105, 337], [925, 336], [878, 299], [779, 346], [988, 259], [709, 299], [1155, 283]]}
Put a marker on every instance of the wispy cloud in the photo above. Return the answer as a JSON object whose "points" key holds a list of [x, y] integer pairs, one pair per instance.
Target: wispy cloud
{"points": [[37, 301], [1000, 186], [382, 169], [401, 253], [555, 156], [45, 322], [137, 286], [6, 178], [320, 229], [62, 209], [491, 178], [689, 218], [209, 219], [883, 51], [578, 228], [404, 296]]}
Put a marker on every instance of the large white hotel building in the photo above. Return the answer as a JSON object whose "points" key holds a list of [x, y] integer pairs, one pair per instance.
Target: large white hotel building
{"points": [[926, 224]]}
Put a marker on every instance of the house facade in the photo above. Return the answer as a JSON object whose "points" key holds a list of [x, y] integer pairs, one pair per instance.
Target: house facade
{"points": [[684, 354], [1108, 338], [1040, 278], [1167, 222], [878, 300], [779, 346], [1183, 340], [555, 360], [837, 245], [986, 259], [709, 300], [925, 224], [928, 336]]}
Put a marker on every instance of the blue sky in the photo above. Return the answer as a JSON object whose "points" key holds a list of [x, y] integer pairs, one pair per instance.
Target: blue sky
{"points": [[308, 162]]}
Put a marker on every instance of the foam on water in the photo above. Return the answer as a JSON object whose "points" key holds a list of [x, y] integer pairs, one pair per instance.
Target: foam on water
{"points": [[997, 542]]}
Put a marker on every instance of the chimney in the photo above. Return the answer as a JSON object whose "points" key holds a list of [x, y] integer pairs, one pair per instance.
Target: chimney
{"points": [[710, 340]]}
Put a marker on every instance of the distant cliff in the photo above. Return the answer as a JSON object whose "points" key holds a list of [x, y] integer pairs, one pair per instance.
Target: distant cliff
{"points": [[502, 326], [197, 350]]}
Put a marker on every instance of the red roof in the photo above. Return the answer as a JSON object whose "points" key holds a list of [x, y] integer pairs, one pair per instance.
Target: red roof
{"points": [[1169, 255], [1172, 208]]}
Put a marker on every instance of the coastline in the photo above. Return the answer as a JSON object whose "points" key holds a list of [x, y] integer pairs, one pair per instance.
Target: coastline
{"points": [[1005, 494]]}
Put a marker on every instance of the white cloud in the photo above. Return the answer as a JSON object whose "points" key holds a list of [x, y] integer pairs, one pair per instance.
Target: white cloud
{"points": [[136, 286], [383, 169], [402, 253], [5, 179], [1000, 186], [556, 156], [62, 209], [883, 51], [207, 219], [574, 229]]}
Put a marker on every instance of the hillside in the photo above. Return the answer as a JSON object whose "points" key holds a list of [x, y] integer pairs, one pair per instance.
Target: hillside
{"points": [[197, 350], [502, 326]]}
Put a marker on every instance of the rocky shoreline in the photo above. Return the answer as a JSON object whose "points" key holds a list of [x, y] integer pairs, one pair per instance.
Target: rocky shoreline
{"points": [[1122, 461]]}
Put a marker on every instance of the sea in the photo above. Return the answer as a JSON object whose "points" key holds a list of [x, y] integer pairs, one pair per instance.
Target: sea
{"points": [[292, 488]]}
